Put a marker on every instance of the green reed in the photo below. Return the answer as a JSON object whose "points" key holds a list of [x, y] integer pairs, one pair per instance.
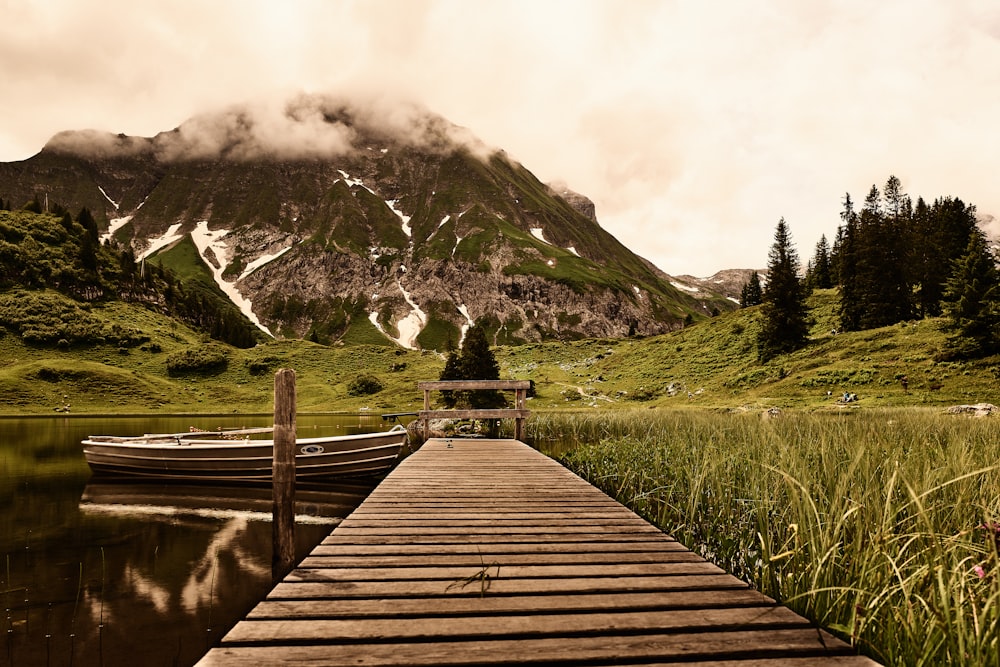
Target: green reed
{"points": [[883, 526]]}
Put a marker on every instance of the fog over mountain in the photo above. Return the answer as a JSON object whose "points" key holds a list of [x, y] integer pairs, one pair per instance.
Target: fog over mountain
{"points": [[304, 127]]}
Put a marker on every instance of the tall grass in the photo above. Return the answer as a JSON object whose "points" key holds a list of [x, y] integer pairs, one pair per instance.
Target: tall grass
{"points": [[882, 526]]}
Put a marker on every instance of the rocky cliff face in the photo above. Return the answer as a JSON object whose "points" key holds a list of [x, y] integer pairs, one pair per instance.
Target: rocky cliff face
{"points": [[365, 226]]}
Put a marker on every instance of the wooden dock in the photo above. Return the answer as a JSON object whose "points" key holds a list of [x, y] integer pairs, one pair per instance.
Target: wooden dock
{"points": [[485, 552]]}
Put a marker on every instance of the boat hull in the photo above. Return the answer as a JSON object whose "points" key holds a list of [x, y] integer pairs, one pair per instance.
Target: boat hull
{"points": [[362, 455]]}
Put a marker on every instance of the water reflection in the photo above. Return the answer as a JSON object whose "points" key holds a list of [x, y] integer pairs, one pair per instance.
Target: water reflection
{"points": [[99, 572]]}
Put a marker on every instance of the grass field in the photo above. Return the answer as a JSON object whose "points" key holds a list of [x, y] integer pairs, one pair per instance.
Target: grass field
{"points": [[711, 364], [881, 525]]}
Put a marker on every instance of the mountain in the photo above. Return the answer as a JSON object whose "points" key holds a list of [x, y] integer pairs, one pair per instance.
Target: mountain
{"points": [[728, 282], [361, 222]]}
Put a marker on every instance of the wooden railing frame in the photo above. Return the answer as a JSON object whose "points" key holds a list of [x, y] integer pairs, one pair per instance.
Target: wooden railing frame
{"points": [[519, 413]]}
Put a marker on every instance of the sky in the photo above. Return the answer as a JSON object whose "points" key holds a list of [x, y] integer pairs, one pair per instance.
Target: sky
{"points": [[694, 126]]}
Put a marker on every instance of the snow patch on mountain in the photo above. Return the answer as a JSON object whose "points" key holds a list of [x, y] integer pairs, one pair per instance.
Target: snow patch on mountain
{"points": [[572, 249], [539, 234], [261, 261], [468, 322], [682, 286], [212, 247], [409, 327], [391, 203], [113, 226], [113, 202], [350, 180], [170, 236], [440, 225]]}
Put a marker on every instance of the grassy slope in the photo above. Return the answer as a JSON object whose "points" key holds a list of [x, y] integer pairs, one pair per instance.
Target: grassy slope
{"points": [[713, 361]]}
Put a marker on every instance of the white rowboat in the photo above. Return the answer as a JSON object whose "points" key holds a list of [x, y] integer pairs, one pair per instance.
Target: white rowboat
{"points": [[216, 456]]}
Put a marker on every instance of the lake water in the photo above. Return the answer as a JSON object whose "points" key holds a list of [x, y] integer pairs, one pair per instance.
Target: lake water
{"points": [[100, 573]]}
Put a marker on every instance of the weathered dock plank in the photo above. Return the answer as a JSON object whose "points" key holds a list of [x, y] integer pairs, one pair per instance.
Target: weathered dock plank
{"points": [[484, 552]]}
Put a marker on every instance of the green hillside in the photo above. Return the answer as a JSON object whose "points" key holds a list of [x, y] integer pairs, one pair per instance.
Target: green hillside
{"points": [[708, 365]]}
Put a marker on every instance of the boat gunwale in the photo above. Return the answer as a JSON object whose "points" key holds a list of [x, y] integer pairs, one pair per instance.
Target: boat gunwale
{"points": [[229, 444]]}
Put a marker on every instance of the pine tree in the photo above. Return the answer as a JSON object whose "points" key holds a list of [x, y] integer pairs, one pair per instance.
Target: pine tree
{"points": [[475, 361], [88, 254], [896, 236], [927, 296], [846, 215], [897, 203], [847, 267], [874, 287], [452, 371], [972, 301], [941, 235], [478, 363], [785, 327], [869, 263], [819, 275], [751, 294], [86, 219]]}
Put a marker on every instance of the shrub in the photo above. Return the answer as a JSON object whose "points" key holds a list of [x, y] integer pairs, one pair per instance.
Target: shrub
{"points": [[643, 394], [203, 359], [571, 395], [261, 365], [364, 385]]}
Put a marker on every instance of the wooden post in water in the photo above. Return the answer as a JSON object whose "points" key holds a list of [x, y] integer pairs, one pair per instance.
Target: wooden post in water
{"points": [[519, 399], [283, 484], [426, 420]]}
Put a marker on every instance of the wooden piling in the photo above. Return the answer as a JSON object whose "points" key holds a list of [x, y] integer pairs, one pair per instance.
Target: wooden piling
{"points": [[283, 484]]}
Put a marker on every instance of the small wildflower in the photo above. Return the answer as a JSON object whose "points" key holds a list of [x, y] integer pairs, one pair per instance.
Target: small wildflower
{"points": [[980, 572]]}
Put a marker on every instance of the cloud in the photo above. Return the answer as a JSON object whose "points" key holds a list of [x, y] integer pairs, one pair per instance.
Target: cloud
{"points": [[250, 131], [314, 126], [98, 143], [307, 126]]}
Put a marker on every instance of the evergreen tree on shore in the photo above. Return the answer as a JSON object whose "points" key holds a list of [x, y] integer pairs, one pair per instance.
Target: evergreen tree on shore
{"points": [[785, 327]]}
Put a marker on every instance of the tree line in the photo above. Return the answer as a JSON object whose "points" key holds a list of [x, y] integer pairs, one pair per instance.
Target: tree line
{"points": [[59, 251], [893, 260]]}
